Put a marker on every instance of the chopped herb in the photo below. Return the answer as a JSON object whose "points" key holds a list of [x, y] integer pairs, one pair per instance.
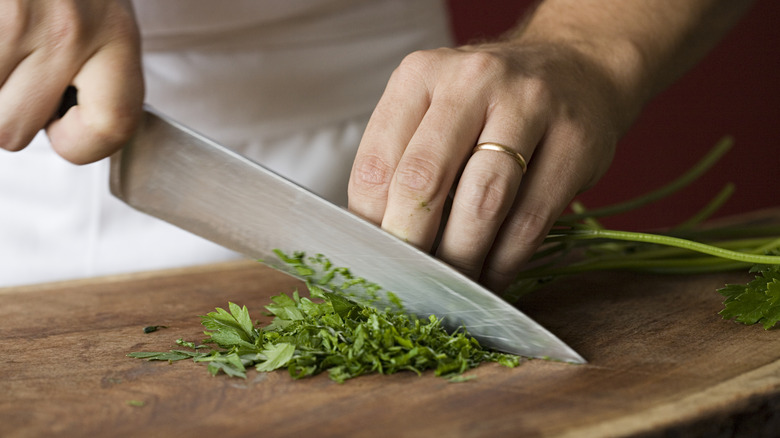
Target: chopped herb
{"points": [[154, 328], [136, 403], [171, 356], [330, 332], [461, 378]]}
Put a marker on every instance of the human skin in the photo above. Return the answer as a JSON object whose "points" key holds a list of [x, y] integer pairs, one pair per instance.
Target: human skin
{"points": [[561, 89], [48, 45]]}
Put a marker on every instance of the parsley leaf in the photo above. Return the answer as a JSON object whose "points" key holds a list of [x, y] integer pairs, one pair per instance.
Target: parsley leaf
{"points": [[172, 355], [758, 301], [276, 356]]}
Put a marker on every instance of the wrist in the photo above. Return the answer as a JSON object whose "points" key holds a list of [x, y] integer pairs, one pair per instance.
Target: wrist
{"points": [[622, 64]]}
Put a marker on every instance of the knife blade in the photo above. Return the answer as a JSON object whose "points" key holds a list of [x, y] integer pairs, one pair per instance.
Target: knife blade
{"points": [[180, 176]]}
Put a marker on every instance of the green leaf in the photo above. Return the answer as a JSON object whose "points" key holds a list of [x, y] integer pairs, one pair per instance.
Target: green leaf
{"points": [[241, 315], [231, 364], [459, 378], [164, 355], [342, 306], [285, 308], [758, 301], [277, 356], [233, 322], [228, 339]]}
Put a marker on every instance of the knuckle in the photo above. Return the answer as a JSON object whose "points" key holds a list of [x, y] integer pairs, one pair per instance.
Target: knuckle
{"points": [[411, 65], [417, 178], [529, 225], [10, 143], [123, 24], [112, 128], [498, 278], [528, 229], [64, 26], [14, 21], [464, 263], [483, 64], [418, 66], [414, 59], [476, 74], [418, 60], [532, 222], [412, 69], [370, 174], [537, 92], [14, 139], [483, 199]]}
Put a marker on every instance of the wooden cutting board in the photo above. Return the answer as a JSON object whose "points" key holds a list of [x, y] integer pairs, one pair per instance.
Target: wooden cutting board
{"points": [[661, 362]]}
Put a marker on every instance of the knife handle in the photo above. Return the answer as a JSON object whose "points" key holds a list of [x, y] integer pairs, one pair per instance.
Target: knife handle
{"points": [[69, 99]]}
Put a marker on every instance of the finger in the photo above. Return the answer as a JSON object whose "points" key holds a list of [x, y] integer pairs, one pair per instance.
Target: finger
{"points": [[29, 96], [549, 186], [391, 126], [482, 199], [110, 102], [426, 172], [486, 190]]}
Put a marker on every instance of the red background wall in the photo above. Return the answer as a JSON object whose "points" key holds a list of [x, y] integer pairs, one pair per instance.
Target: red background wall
{"points": [[735, 91]]}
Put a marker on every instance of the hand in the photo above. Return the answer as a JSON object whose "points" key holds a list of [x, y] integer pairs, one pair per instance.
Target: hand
{"points": [[548, 102], [49, 45]]}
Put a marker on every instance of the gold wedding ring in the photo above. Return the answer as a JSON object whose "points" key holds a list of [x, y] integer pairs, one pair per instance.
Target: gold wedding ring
{"points": [[490, 146]]}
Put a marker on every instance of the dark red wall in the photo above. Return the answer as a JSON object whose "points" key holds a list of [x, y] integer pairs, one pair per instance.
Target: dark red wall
{"points": [[735, 91]]}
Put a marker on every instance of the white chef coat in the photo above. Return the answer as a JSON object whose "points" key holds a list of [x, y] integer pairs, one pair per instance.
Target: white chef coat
{"points": [[289, 83]]}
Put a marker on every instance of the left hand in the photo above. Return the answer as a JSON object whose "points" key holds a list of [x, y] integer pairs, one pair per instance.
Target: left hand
{"points": [[549, 102]]}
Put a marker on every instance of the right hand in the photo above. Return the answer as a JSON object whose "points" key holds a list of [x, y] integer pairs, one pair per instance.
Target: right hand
{"points": [[93, 45]]}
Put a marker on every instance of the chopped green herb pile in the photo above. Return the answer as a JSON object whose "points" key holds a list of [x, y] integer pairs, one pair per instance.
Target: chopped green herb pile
{"points": [[331, 333]]}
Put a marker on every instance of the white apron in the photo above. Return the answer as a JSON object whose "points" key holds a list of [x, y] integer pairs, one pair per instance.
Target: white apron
{"points": [[289, 83]]}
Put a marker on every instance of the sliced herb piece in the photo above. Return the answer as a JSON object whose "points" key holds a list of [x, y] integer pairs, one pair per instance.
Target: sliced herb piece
{"points": [[154, 328], [172, 355]]}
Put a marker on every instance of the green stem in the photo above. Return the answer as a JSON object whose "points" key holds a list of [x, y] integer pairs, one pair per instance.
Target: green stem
{"points": [[709, 209], [644, 252], [691, 175], [753, 230], [667, 241], [666, 266]]}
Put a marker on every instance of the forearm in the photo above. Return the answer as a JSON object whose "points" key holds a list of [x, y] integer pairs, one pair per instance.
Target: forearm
{"points": [[644, 46]]}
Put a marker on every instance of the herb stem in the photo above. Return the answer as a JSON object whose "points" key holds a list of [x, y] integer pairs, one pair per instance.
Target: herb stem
{"points": [[688, 177], [709, 209], [664, 240]]}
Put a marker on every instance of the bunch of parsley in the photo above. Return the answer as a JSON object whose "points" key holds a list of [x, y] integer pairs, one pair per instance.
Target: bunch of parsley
{"points": [[578, 243]]}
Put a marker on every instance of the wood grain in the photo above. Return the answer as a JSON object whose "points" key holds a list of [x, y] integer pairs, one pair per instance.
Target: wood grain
{"points": [[661, 362]]}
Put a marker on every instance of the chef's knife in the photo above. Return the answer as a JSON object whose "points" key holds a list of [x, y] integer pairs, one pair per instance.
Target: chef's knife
{"points": [[182, 177]]}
